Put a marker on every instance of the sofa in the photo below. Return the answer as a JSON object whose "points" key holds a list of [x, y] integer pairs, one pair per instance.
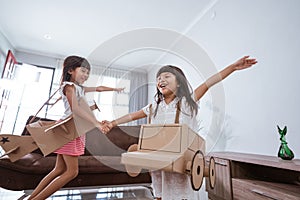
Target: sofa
{"points": [[100, 165]]}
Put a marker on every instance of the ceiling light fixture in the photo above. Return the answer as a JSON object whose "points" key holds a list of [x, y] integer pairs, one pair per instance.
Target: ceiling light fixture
{"points": [[47, 37]]}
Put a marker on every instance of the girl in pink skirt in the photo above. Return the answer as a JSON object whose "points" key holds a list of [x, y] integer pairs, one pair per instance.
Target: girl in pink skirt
{"points": [[75, 72]]}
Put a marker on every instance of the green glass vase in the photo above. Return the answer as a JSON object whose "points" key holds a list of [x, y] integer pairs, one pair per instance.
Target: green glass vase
{"points": [[284, 152]]}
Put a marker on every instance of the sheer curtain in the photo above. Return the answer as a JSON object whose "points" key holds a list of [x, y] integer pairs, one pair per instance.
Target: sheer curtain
{"points": [[138, 94]]}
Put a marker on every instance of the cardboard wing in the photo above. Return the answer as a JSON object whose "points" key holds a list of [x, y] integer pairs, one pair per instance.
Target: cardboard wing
{"points": [[16, 146], [47, 135], [51, 136]]}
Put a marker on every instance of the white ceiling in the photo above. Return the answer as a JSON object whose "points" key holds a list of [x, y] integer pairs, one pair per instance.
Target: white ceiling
{"points": [[83, 27]]}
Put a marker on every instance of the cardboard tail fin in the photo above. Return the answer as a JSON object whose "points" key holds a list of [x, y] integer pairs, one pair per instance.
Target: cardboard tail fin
{"points": [[16, 146]]}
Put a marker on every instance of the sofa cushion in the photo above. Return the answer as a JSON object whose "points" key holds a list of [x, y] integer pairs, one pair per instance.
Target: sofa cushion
{"points": [[116, 142]]}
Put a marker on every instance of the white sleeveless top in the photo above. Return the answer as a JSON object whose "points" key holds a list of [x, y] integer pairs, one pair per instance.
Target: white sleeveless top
{"points": [[166, 113], [79, 94]]}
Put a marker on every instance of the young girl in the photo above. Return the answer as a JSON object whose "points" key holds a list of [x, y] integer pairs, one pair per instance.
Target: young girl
{"points": [[75, 72], [174, 97]]}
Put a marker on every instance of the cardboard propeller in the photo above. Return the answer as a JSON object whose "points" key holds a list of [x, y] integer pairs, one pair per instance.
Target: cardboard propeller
{"points": [[173, 148], [47, 136]]}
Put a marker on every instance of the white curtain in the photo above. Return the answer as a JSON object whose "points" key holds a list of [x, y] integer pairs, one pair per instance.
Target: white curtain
{"points": [[138, 97]]}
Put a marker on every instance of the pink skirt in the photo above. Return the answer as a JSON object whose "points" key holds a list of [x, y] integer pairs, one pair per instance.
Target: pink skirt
{"points": [[73, 148]]}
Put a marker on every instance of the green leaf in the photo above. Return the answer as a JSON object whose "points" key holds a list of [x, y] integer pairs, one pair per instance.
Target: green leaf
{"points": [[285, 130], [279, 130]]}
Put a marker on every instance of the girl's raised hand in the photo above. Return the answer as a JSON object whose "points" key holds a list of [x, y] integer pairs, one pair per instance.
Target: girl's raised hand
{"points": [[244, 62]]}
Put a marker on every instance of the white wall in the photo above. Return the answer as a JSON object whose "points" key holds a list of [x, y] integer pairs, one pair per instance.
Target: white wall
{"points": [[258, 99], [35, 59], [5, 44]]}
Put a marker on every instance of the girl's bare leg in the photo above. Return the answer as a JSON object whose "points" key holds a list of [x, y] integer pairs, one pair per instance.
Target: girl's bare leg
{"points": [[71, 163], [59, 168]]}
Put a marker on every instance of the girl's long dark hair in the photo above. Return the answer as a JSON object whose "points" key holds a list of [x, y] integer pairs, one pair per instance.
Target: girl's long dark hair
{"points": [[184, 89], [71, 63]]}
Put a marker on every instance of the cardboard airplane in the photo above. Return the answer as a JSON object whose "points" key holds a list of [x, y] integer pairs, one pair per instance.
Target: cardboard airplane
{"points": [[173, 148], [47, 135]]}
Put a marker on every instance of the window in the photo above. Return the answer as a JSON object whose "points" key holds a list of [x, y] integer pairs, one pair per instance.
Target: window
{"points": [[29, 90], [112, 104]]}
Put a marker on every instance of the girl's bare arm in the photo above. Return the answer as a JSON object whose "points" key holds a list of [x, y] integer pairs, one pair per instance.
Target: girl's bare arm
{"points": [[240, 64]]}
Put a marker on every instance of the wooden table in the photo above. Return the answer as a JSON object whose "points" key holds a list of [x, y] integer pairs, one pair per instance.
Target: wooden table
{"points": [[251, 176]]}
